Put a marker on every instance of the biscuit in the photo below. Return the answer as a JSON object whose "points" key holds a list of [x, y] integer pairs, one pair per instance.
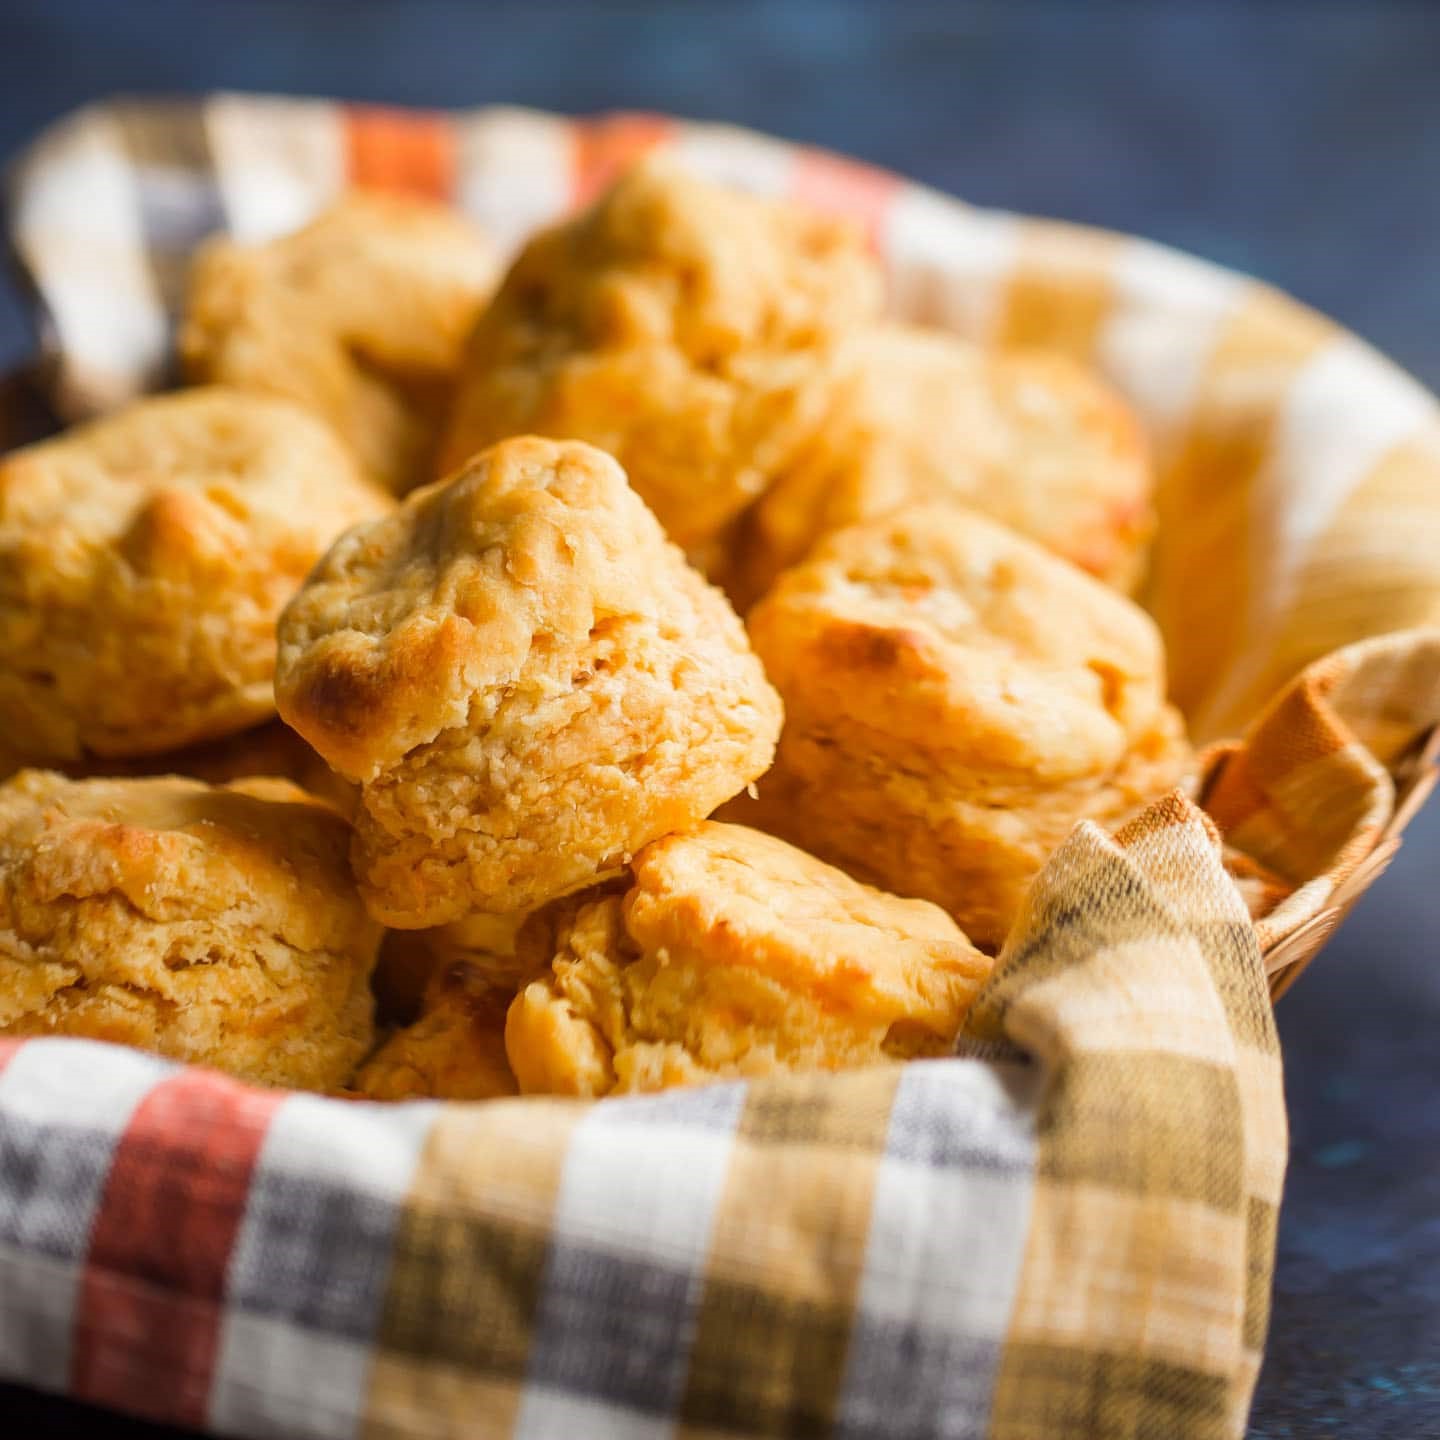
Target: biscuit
{"points": [[144, 558], [360, 317], [526, 680], [910, 416], [956, 700], [214, 925], [675, 325], [735, 954], [454, 1051]]}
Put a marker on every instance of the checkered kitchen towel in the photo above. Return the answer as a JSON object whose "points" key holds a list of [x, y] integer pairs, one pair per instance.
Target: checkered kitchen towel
{"points": [[1067, 1229]]}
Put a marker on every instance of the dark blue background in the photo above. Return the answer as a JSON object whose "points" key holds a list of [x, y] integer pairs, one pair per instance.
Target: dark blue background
{"points": [[1300, 142]]}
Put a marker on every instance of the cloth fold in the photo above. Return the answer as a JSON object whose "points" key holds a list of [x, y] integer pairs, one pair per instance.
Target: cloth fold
{"points": [[956, 1247]]}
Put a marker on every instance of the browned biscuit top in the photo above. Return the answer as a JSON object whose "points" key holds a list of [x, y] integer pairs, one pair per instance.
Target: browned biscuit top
{"points": [[216, 925], [174, 847], [534, 547], [144, 558], [360, 316], [947, 631], [675, 325], [1030, 439], [735, 953]]}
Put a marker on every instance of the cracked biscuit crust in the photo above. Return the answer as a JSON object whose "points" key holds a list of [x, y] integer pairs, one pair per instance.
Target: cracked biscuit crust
{"points": [[214, 925], [956, 700], [733, 954], [910, 416], [676, 325], [361, 317], [144, 559], [527, 680]]}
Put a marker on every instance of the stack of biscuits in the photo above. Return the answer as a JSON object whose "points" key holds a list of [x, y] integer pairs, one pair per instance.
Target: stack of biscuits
{"points": [[659, 668]]}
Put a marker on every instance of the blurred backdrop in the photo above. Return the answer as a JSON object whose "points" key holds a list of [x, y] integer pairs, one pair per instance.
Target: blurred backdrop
{"points": [[1297, 141]]}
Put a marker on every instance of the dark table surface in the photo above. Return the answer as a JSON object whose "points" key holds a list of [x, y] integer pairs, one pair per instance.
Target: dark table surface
{"points": [[1300, 142]]}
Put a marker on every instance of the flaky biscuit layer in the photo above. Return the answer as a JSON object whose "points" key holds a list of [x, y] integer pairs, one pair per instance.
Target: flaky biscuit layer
{"points": [[215, 925], [454, 1051], [527, 680], [734, 953], [485, 946], [956, 699]]}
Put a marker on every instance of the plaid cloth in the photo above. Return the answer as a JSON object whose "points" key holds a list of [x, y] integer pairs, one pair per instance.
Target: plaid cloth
{"points": [[1067, 1229]]}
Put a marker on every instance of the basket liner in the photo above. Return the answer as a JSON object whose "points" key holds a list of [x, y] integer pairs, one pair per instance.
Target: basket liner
{"points": [[1069, 1228]]}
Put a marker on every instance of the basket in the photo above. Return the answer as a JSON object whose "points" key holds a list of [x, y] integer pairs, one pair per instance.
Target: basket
{"points": [[1069, 1228]]}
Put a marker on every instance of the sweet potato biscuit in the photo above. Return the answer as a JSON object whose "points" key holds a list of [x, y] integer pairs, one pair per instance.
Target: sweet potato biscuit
{"points": [[527, 681], [676, 325], [454, 1051], [360, 317], [215, 925], [956, 700], [1030, 439], [736, 954], [144, 559]]}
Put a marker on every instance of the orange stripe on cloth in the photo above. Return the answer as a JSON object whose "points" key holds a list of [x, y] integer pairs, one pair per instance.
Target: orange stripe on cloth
{"points": [[845, 187], [1206, 498], [1060, 291], [1301, 796], [1371, 570], [601, 149], [151, 1297], [403, 150]]}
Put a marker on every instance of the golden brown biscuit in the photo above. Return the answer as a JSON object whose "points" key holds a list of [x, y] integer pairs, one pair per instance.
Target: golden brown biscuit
{"points": [[215, 925], [360, 317], [527, 680], [454, 1051], [144, 558], [956, 699], [736, 954], [675, 325], [409, 959], [1030, 439]]}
